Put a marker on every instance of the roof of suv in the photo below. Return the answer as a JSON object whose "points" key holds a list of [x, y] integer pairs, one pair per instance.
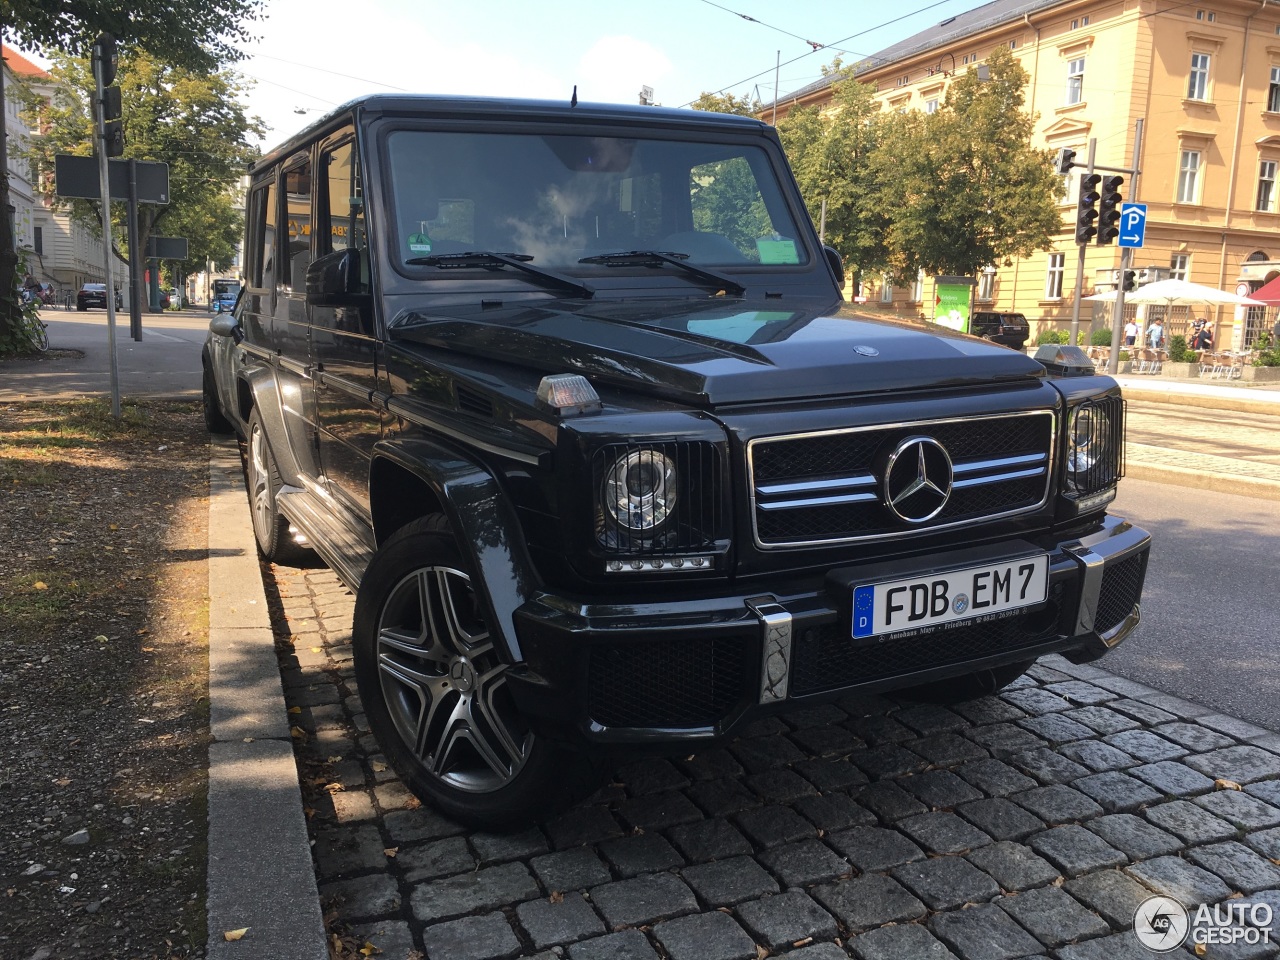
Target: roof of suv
{"points": [[430, 105]]}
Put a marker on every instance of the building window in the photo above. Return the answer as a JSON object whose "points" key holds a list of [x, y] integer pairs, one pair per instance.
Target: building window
{"points": [[902, 82], [1273, 91], [886, 290], [1084, 22], [1179, 266], [1075, 81], [1189, 176], [1053, 277], [917, 292], [37, 240], [1267, 186], [931, 106], [1013, 45], [1198, 83], [987, 284]]}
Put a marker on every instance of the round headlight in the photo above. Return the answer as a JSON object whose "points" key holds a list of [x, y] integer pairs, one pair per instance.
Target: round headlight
{"points": [[1085, 440], [639, 490]]}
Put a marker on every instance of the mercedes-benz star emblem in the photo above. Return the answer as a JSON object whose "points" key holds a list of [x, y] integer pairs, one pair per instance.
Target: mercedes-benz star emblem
{"points": [[863, 350], [917, 479]]}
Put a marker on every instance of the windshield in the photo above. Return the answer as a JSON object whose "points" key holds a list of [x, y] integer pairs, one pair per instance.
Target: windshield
{"points": [[559, 199]]}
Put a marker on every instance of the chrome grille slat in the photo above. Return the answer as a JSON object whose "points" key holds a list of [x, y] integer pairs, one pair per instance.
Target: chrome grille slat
{"points": [[812, 488]]}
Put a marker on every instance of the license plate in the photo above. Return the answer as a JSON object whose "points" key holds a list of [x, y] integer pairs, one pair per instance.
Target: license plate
{"points": [[936, 599]]}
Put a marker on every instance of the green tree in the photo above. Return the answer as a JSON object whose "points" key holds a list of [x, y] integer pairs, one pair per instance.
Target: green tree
{"points": [[831, 150], [197, 34], [963, 187], [190, 119], [726, 103]]}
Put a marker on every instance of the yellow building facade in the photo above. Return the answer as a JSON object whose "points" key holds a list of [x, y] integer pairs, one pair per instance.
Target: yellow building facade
{"points": [[1205, 80]]}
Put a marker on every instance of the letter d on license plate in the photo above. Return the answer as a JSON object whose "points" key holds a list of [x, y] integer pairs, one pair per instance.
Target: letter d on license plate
{"points": [[935, 599]]}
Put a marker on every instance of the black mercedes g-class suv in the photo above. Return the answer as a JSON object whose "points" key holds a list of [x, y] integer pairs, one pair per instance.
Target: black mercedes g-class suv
{"points": [[567, 395]]}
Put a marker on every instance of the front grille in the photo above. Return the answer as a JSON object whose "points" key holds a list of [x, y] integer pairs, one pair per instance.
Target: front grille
{"points": [[670, 683], [1121, 587], [825, 657], [829, 487]]}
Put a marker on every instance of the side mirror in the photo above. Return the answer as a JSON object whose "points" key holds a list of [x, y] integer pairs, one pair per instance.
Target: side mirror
{"points": [[334, 280], [226, 325], [837, 264]]}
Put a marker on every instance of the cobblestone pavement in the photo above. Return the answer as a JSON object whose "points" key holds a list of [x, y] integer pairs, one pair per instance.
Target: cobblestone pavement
{"points": [[1029, 824]]}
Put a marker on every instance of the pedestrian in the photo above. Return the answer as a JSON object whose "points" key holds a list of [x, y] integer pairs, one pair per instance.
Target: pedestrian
{"points": [[1201, 335], [1130, 333], [31, 289], [1155, 335]]}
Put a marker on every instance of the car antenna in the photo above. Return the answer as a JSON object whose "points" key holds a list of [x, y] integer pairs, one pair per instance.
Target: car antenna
{"points": [[573, 101]]}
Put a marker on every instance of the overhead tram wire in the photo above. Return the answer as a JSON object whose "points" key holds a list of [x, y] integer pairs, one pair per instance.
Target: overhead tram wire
{"points": [[750, 19], [827, 46]]}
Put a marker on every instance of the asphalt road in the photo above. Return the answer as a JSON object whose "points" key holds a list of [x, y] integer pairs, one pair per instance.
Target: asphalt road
{"points": [[1209, 612], [165, 361]]}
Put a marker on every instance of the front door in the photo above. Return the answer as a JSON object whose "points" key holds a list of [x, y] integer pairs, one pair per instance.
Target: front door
{"points": [[344, 345]]}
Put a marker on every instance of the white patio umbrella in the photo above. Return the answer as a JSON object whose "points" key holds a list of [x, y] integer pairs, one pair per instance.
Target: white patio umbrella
{"points": [[1177, 292]]}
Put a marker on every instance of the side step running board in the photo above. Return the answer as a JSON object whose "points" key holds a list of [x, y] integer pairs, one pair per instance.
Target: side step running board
{"points": [[319, 520]]}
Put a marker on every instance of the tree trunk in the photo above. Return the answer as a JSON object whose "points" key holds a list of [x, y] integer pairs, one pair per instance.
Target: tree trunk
{"points": [[10, 308]]}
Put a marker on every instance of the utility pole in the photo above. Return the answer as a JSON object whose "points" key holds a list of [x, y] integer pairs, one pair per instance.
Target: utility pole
{"points": [[104, 72]]}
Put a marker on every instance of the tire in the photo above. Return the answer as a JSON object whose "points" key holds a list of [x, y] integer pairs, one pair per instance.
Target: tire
{"points": [[41, 336], [434, 692], [270, 528], [969, 687], [215, 420]]}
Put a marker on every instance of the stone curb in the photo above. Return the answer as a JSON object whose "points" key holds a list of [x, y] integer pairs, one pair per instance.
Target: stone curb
{"points": [[1198, 480], [260, 870]]}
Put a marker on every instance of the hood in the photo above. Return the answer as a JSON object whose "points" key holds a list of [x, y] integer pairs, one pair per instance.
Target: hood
{"points": [[722, 353]]}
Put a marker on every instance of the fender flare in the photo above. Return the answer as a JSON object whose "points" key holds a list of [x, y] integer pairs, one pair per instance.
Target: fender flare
{"points": [[258, 380], [485, 525]]}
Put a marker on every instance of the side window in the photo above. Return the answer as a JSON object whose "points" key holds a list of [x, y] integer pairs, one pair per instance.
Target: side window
{"points": [[253, 232], [342, 205], [297, 192], [263, 237]]}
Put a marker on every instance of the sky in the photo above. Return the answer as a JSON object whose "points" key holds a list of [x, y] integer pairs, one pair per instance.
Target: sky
{"points": [[312, 55]]}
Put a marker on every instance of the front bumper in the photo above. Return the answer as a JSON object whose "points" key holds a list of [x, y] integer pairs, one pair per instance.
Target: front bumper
{"points": [[695, 670]]}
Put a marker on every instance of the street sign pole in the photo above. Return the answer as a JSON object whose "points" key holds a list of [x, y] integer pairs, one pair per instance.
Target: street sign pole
{"points": [[105, 195], [1126, 258], [1075, 304], [135, 308]]}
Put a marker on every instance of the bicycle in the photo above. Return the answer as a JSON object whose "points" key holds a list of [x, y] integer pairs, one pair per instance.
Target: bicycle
{"points": [[34, 330]]}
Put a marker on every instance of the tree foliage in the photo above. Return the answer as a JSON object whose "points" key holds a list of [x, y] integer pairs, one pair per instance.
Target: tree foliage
{"points": [[831, 150], [198, 34], [191, 120], [949, 192], [726, 103], [965, 187]]}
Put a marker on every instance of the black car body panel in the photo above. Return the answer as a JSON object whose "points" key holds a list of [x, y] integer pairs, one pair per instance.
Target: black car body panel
{"points": [[793, 444]]}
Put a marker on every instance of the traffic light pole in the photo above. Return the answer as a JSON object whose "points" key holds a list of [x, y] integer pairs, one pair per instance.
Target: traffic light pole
{"points": [[1126, 258], [1075, 305], [104, 182]]}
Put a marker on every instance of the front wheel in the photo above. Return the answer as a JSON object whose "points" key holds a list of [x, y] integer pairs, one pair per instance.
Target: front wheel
{"points": [[435, 692]]}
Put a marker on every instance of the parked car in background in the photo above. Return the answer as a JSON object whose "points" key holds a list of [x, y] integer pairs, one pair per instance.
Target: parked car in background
{"points": [[568, 396], [95, 295], [1006, 329], [165, 300]]}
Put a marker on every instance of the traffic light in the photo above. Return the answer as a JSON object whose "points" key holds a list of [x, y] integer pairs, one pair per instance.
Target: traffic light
{"points": [[1087, 207], [1065, 161], [1109, 210], [1130, 281], [104, 61]]}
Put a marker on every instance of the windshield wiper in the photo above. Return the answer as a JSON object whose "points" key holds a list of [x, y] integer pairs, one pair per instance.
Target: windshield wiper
{"points": [[653, 258], [520, 261]]}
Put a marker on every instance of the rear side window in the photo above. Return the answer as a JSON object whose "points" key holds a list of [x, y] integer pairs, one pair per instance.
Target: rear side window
{"points": [[260, 237], [297, 191]]}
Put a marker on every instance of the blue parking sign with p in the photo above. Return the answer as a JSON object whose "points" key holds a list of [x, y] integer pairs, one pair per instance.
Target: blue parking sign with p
{"points": [[1133, 224]]}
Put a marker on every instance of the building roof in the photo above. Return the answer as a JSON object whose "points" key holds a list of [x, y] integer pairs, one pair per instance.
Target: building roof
{"points": [[971, 22], [20, 65]]}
